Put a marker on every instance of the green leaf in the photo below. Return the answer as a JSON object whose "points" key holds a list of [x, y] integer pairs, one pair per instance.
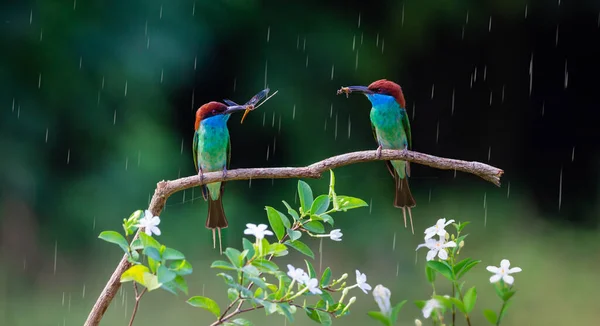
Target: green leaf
{"points": [[327, 298], [151, 282], [301, 247], [248, 246], [275, 219], [441, 267], [240, 322], [460, 226], [469, 299], [461, 264], [116, 238], [291, 211], [306, 196], [172, 254], [287, 311], [250, 270], [326, 277], [221, 264], [320, 205], [508, 294], [134, 257], [164, 274], [257, 281], [445, 302], [430, 273], [467, 268], [152, 253], [504, 309], [314, 226], [206, 303], [270, 307], [181, 267], [420, 303], [396, 311], [327, 218], [311, 269], [235, 257], [136, 244], [320, 317], [459, 304], [278, 249], [181, 284], [490, 315], [293, 234], [377, 315], [232, 294], [149, 241], [152, 264], [346, 202], [264, 265], [134, 273]]}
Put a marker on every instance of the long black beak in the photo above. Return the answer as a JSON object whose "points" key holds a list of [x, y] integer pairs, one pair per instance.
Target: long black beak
{"points": [[234, 108], [359, 89]]}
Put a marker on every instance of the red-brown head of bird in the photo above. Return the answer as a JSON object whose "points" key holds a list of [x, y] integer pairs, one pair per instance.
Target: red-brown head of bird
{"points": [[378, 91], [215, 112]]}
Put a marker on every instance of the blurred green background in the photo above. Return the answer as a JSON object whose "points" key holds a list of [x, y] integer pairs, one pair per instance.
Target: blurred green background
{"points": [[98, 101]]}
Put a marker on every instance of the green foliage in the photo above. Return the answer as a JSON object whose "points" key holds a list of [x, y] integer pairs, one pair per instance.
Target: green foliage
{"points": [[205, 303]]}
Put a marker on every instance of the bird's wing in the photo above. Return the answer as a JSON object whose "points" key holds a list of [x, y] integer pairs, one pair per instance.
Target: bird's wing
{"points": [[230, 102], [388, 164], [406, 126], [195, 149]]}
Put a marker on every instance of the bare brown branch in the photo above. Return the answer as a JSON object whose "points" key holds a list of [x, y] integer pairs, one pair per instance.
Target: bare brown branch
{"points": [[164, 189]]}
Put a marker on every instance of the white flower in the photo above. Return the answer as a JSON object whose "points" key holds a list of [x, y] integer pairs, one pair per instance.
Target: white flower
{"points": [[258, 231], [438, 228], [313, 286], [430, 305], [361, 282], [503, 272], [336, 235], [437, 247], [150, 223], [382, 297], [297, 274]]}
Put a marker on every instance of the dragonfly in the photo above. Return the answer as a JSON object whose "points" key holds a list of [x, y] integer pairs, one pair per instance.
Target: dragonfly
{"points": [[253, 102]]}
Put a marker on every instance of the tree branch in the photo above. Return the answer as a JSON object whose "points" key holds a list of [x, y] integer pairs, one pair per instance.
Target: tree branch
{"points": [[164, 189]]}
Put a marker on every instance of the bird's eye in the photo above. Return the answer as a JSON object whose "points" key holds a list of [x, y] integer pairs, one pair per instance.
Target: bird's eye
{"points": [[214, 111]]}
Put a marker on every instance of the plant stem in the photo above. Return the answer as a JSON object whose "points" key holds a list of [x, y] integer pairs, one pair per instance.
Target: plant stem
{"points": [[500, 313], [462, 299], [453, 309], [137, 302]]}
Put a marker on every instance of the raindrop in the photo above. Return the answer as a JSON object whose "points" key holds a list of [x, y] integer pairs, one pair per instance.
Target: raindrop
{"points": [[193, 99], [30, 16], [382, 44], [573, 154], [126, 162], [336, 123], [362, 36], [80, 62], [437, 132], [293, 113], [397, 269], [543, 107], [556, 39], [279, 127], [274, 144], [453, 96], [377, 41], [598, 24], [467, 18], [55, 256], [325, 127], [196, 62], [183, 198], [475, 75], [525, 11], [394, 242], [273, 121], [126, 84], [484, 199], [297, 41], [83, 292], [41, 34], [304, 45], [508, 191], [307, 61], [530, 74], [18, 111], [462, 36], [356, 63], [413, 110], [194, 9], [266, 69], [484, 209], [354, 43], [430, 195], [147, 42], [268, 34], [559, 2], [40, 81], [115, 118], [264, 118], [63, 299], [181, 150], [68, 155], [454, 173], [332, 70], [234, 83], [490, 25], [489, 153], [560, 188], [94, 224], [146, 28], [402, 15], [359, 20], [69, 305], [160, 13], [370, 205], [162, 75], [491, 93], [46, 135], [13, 105], [503, 93], [102, 82], [268, 149], [331, 110], [471, 80], [349, 127], [250, 183], [566, 75], [432, 90], [484, 73]]}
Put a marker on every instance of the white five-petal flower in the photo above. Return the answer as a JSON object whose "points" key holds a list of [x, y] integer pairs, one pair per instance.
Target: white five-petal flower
{"points": [[361, 282], [313, 286], [503, 272], [382, 297], [437, 229], [430, 305], [297, 274], [150, 223], [437, 248], [336, 235], [258, 231]]}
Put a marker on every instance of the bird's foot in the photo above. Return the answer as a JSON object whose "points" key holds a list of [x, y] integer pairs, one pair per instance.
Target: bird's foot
{"points": [[224, 172], [379, 152], [201, 175]]}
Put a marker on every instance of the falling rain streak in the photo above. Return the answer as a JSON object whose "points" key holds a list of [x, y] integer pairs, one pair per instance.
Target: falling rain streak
{"points": [[432, 90], [573, 154], [485, 209], [68, 155], [530, 74], [349, 127], [453, 97], [126, 86], [437, 132], [336, 123], [332, 70], [566, 75]]}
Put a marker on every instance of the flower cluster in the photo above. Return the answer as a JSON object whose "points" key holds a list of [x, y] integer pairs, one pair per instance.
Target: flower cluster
{"points": [[437, 247]]}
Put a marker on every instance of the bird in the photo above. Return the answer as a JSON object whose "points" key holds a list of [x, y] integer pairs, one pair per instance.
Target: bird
{"points": [[391, 129], [211, 149]]}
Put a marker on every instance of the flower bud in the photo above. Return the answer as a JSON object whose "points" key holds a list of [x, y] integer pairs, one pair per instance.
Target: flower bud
{"points": [[382, 298], [351, 301], [461, 244], [344, 276], [418, 322], [447, 236]]}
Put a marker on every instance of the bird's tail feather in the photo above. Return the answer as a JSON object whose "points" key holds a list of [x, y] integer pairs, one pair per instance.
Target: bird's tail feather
{"points": [[216, 215], [404, 197]]}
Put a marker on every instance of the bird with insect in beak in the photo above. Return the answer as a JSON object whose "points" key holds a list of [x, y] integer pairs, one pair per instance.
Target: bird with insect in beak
{"points": [[211, 150], [391, 129]]}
